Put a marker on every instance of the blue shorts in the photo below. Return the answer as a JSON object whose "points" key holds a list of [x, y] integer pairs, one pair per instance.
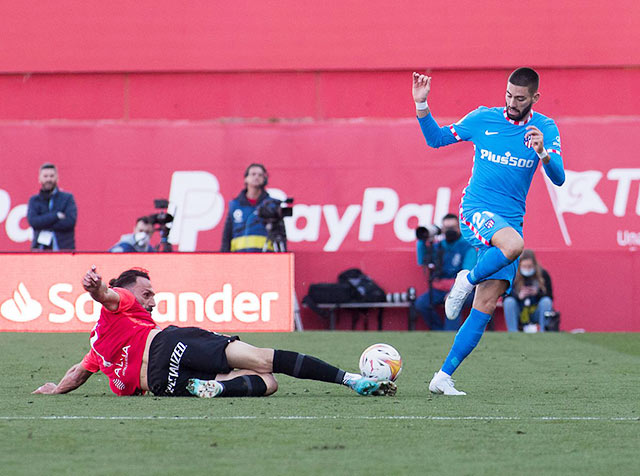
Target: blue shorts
{"points": [[478, 227]]}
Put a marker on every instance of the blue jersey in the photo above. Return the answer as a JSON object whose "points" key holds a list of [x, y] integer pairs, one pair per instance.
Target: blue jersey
{"points": [[504, 162]]}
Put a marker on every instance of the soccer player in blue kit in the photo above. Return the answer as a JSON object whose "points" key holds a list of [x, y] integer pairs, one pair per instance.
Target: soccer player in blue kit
{"points": [[509, 143]]}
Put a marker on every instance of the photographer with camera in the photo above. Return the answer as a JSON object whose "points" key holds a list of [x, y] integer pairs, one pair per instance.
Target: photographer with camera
{"points": [[161, 222], [250, 215], [138, 241], [442, 259]]}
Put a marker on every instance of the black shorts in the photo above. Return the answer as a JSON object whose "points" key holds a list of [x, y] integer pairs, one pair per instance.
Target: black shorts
{"points": [[180, 353]]}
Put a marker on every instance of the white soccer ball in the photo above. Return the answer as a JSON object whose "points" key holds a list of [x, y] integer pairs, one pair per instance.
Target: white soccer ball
{"points": [[380, 362]]}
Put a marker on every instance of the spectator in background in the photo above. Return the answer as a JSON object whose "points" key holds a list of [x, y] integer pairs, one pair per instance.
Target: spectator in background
{"points": [[243, 229], [138, 241], [52, 214], [444, 259], [531, 296]]}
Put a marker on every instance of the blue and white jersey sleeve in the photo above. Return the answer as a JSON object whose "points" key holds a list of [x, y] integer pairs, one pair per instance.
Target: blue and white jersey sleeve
{"points": [[555, 168], [437, 136], [465, 128]]}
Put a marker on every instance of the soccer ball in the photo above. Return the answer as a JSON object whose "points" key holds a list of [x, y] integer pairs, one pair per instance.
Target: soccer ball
{"points": [[380, 362]]}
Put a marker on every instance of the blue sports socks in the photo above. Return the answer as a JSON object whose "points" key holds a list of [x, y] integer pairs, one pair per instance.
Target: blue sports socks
{"points": [[466, 340], [492, 261]]}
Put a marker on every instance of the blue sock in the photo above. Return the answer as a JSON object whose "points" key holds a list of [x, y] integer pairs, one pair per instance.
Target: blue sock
{"points": [[493, 260], [466, 340]]}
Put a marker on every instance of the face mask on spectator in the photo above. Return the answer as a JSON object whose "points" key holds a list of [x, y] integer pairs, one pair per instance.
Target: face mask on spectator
{"points": [[527, 272], [141, 238], [451, 236]]}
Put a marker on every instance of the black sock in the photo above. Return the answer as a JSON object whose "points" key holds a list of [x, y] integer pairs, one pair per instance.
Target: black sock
{"points": [[244, 386], [304, 366]]}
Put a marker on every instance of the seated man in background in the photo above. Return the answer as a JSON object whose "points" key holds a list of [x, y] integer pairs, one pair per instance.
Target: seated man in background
{"points": [[137, 356], [444, 259], [138, 241], [530, 298]]}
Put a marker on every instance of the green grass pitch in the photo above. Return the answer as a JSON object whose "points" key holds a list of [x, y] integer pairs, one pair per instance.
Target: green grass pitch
{"points": [[537, 404]]}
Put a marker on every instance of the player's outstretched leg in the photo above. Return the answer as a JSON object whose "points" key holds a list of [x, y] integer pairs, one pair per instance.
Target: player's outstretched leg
{"points": [[294, 364], [307, 367]]}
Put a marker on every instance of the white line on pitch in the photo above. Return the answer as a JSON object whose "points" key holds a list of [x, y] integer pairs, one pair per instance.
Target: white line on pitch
{"points": [[332, 417]]}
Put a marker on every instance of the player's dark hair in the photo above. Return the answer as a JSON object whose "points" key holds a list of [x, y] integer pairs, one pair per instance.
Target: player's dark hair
{"points": [[48, 165], [450, 215], [128, 277], [526, 77], [145, 219], [264, 171]]}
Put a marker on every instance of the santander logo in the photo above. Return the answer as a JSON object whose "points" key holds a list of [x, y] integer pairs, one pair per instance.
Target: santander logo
{"points": [[21, 307], [221, 306]]}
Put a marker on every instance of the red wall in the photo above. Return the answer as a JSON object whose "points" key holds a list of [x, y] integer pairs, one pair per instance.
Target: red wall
{"points": [[289, 35], [303, 95]]}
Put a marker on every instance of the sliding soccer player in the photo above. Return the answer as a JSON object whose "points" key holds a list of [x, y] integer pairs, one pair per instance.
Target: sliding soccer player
{"points": [[137, 356]]}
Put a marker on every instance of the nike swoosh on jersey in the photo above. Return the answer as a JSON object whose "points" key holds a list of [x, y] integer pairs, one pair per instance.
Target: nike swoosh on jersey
{"points": [[487, 133]]}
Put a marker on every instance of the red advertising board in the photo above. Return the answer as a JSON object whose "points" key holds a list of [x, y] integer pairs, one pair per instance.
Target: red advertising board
{"points": [[222, 292], [360, 186]]}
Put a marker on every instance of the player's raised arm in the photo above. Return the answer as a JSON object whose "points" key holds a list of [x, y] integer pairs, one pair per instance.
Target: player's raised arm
{"points": [[75, 376], [420, 90], [435, 135], [100, 292]]}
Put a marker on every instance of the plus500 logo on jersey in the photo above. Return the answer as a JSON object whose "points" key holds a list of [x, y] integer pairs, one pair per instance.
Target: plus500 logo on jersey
{"points": [[506, 159]]}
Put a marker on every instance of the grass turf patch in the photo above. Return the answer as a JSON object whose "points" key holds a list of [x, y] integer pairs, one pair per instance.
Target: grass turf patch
{"points": [[536, 404]]}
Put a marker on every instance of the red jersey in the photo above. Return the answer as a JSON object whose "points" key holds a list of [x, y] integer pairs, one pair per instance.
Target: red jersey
{"points": [[117, 343]]}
